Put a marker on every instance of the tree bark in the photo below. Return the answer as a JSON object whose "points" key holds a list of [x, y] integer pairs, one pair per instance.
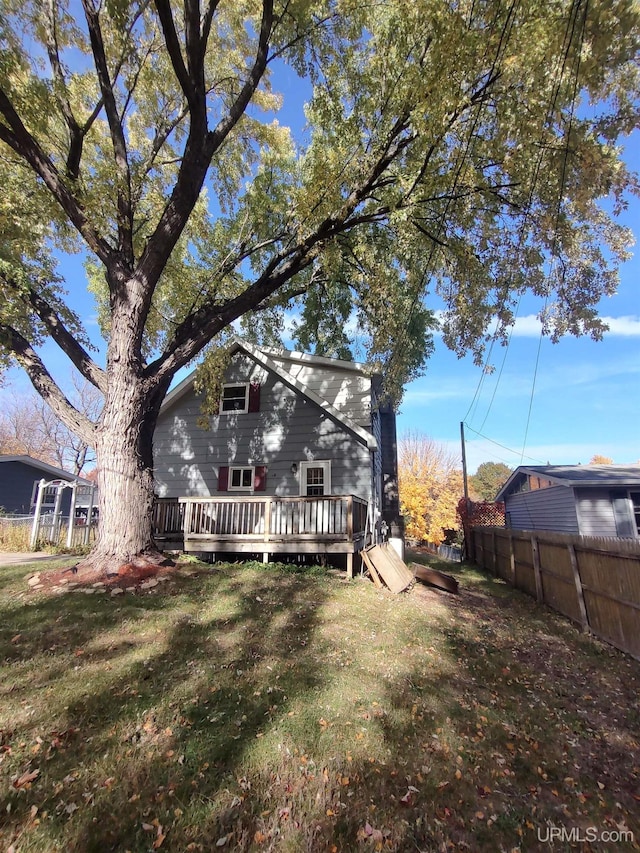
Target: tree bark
{"points": [[124, 459], [125, 483]]}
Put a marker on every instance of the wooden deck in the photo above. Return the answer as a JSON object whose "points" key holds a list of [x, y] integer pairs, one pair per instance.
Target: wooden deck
{"points": [[330, 524]]}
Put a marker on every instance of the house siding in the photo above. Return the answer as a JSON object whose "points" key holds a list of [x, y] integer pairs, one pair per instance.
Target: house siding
{"points": [[16, 487], [288, 428], [597, 514], [543, 509], [347, 391]]}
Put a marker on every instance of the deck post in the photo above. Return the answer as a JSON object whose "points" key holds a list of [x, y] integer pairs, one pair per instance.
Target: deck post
{"points": [[350, 519], [350, 566], [186, 523], [267, 519]]}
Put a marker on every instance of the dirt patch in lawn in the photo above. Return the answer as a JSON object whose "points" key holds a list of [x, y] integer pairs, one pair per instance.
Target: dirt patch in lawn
{"points": [[136, 576]]}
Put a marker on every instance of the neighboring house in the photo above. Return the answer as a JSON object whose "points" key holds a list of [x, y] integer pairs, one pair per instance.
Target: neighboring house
{"points": [[301, 457], [19, 479], [592, 500]]}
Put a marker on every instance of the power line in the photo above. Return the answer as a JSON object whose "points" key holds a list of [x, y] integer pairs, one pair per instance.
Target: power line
{"points": [[563, 178], [504, 446], [559, 73]]}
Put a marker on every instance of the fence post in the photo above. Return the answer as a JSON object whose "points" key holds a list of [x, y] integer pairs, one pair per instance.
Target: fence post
{"points": [[576, 577], [72, 514], [57, 516], [36, 516], [512, 559], [536, 570], [494, 552]]}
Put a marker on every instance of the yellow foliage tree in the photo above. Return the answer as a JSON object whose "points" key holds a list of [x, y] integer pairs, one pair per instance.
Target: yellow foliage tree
{"points": [[430, 484]]}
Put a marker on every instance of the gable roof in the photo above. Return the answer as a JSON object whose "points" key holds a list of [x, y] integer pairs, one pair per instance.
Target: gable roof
{"points": [[317, 360], [605, 476], [51, 470], [263, 357]]}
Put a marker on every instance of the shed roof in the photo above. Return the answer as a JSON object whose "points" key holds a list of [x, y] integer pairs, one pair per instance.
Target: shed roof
{"points": [[51, 470], [604, 476]]}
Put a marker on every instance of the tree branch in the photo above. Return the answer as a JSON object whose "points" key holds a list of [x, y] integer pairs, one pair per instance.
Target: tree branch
{"points": [[76, 134], [121, 159], [225, 126], [18, 138], [199, 149], [163, 7], [67, 343], [44, 384]]}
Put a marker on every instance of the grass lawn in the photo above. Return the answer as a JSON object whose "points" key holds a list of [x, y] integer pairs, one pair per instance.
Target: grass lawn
{"points": [[252, 708]]}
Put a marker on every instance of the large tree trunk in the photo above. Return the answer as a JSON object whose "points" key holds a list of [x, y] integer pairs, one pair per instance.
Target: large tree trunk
{"points": [[124, 460]]}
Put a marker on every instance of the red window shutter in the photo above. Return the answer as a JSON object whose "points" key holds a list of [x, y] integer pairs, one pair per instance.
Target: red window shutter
{"points": [[223, 478], [260, 479], [254, 397]]}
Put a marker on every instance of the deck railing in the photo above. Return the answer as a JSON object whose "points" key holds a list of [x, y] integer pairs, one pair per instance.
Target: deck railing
{"points": [[168, 518], [263, 519]]}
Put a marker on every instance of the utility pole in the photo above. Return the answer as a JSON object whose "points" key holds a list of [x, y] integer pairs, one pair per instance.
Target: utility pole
{"points": [[464, 463]]}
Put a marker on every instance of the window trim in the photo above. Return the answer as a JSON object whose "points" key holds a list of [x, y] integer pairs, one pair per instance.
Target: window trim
{"points": [[242, 411], [303, 467], [241, 488]]}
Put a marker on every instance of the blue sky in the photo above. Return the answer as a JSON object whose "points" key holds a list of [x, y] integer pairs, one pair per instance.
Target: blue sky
{"points": [[576, 399]]}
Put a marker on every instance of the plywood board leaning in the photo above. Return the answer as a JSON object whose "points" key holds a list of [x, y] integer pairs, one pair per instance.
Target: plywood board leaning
{"points": [[390, 567]]}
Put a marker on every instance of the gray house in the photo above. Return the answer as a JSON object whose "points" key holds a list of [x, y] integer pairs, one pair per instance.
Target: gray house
{"points": [[19, 478], [300, 459], [592, 500]]}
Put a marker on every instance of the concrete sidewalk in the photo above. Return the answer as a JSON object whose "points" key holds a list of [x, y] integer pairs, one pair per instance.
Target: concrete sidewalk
{"points": [[15, 558]]}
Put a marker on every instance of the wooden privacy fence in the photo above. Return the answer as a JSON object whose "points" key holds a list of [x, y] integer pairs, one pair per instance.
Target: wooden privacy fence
{"points": [[593, 581]]}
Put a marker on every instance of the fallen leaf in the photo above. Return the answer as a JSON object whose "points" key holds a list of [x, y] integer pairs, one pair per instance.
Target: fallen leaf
{"points": [[25, 779], [222, 841]]}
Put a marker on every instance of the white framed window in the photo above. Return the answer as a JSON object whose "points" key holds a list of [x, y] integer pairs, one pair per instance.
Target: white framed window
{"points": [[315, 478], [235, 398], [241, 479]]}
